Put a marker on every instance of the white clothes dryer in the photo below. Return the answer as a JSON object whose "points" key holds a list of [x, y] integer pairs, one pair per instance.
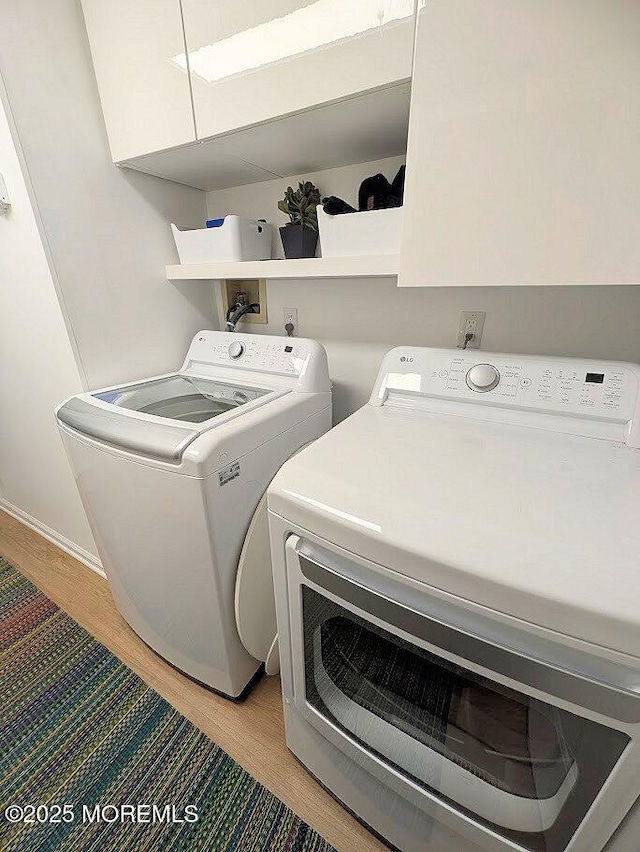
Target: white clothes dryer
{"points": [[457, 572], [171, 471]]}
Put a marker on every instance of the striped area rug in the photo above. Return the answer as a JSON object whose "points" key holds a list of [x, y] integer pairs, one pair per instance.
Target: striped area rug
{"points": [[79, 728]]}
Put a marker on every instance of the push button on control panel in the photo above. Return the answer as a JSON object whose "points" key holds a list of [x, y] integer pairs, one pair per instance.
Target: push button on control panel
{"points": [[483, 378]]}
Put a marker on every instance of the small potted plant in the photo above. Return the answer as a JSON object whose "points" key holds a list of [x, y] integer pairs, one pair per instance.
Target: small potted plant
{"points": [[300, 235]]}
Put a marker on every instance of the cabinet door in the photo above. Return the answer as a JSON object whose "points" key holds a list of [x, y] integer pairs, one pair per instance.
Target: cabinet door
{"points": [[251, 62], [145, 92], [523, 164]]}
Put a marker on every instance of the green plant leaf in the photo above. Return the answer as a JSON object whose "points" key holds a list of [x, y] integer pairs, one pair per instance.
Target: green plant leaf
{"points": [[300, 204]]}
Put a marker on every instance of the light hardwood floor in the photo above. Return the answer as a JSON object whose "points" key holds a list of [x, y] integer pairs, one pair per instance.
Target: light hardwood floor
{"points": [[252, 732]]}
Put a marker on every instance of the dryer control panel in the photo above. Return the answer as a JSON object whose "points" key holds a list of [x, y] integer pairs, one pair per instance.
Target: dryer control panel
{"points": [[599, 390]]}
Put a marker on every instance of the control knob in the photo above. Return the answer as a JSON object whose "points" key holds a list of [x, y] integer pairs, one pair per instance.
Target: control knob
{"points": [[235, 349], [483, 378]]}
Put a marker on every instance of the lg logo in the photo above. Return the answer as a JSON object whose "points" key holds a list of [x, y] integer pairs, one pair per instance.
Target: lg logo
{"points": [[404, 358]]}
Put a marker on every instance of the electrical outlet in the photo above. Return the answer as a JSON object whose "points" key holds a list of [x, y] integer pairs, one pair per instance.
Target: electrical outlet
{"points": [[471, 322], [290, 316]]}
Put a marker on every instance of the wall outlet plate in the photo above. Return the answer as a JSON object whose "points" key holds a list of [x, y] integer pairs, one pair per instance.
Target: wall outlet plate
{"points": [[290, 315], [471, 322], [256, 290]]}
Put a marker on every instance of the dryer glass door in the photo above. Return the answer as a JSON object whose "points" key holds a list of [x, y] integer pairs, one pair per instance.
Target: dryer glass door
{"points": [[181, 397], [524, 767]]}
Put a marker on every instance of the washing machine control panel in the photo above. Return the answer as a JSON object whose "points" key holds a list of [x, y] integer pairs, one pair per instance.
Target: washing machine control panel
{"points": [[286, 356], [594, 389]]}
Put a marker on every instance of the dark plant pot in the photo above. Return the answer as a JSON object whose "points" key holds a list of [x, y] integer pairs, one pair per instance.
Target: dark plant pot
{"points": [[298, 241]]}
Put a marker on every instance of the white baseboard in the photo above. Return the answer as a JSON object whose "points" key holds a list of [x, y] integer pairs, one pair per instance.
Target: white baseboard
{"points": [[56, 538]]}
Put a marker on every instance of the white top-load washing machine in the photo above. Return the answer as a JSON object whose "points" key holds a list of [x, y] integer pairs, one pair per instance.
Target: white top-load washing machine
{"points": [[457, 570], [172, 473]]}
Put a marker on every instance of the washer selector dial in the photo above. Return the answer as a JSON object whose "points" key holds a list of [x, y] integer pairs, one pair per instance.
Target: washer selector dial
{"points": [[483, 378], [235, 349]]}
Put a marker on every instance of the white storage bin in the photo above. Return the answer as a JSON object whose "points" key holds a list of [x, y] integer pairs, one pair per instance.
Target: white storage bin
{"points": [[369, 232], [235, 239]]}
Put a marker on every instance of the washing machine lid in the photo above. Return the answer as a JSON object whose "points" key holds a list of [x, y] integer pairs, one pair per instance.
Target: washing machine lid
{"points": [[158, 417], [536, 524], [183, 397]]}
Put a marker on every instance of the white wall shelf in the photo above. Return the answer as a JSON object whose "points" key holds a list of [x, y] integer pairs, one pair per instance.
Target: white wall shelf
{"points": [[372, 266]]}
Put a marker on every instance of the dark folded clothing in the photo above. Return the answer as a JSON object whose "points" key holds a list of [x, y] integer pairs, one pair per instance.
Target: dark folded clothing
{"points": [[373, 193], [335, 206], [376, 193], [398, 182]]}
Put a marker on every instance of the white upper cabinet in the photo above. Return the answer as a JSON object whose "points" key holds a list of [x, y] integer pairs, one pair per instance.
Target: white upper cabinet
{"points": [[254, 61], [524, 144], [135, 45]]}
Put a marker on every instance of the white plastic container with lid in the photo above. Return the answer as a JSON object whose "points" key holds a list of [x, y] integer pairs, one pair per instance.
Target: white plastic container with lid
{"points": [[232, 238], [368, 232]]}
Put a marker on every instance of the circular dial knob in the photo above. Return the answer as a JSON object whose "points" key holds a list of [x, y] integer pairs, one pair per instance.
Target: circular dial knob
{"points": [[483, 377], [235, 349]]}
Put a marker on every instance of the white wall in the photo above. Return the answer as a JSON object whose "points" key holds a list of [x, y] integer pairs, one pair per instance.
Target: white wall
{"points": [[37, 370], [358, 320], [105, 234], [106, 229]]}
